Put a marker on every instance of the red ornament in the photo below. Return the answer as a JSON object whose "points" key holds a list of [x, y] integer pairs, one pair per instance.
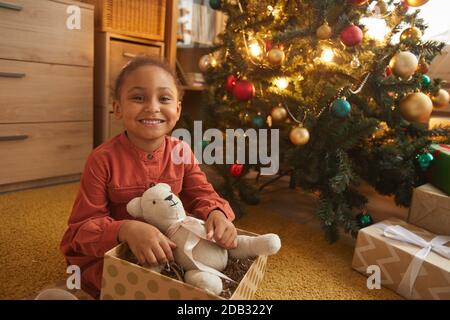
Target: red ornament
{"points": [[236, 170], [358, 2], [231, 82], [351, 36], [269, 45], [388, 72], [243, 90]]}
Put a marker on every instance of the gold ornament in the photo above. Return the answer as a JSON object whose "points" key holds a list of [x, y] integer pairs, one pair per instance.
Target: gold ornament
{"points": [[381, 7], [441, 99], [416, 3], [324, 32], [416, 107], [412, 33], [278, 114], [206, 62], [423, 66], [275, 56], [404, 64], [299, 136]]}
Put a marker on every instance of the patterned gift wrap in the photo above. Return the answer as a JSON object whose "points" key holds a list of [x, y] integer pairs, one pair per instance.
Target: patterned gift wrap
{"points": [[395, 257], [430, 209], [124, 280]]}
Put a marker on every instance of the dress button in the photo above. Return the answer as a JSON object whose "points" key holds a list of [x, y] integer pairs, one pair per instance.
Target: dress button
{"points": [[149, 156]]}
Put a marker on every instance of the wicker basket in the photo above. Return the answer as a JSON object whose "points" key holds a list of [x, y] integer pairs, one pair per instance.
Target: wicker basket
{"points": [[139, 18]]}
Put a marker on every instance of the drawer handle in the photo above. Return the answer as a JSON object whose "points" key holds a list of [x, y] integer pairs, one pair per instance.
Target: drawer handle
{"points": [[14, 137], [129, 55], [10, 6], [12, 75]]}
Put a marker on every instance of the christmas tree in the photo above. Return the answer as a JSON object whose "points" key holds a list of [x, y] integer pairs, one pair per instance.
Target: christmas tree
{"points": [[350, 103]]}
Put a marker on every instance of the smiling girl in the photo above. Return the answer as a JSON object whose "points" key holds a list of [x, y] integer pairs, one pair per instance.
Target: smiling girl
{"points": [[147, 97]]}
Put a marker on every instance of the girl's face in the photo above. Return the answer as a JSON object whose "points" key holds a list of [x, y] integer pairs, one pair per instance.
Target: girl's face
{"points": [[148, 104]]}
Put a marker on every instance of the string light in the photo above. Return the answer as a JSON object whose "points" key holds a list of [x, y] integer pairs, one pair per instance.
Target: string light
{"points": [[281, 83], [327, 55], [213, 61], [377, 29], [274, 11], [254, 48]]}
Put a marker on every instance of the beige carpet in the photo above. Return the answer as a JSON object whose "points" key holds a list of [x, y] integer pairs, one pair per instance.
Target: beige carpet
{"points": [[307, 267]]}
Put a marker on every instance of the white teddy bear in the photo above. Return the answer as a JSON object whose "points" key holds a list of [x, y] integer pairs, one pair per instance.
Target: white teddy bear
{"points": [[202, 259]]}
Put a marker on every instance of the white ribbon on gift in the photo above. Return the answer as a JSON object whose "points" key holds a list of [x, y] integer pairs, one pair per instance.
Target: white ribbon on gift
{"points": [[197, 232], [402, 234]]}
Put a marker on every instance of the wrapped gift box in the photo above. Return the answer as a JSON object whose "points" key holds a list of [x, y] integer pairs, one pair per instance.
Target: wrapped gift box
{"points": [[439, 171], [430, 209], [124, 280], [397, 259]]}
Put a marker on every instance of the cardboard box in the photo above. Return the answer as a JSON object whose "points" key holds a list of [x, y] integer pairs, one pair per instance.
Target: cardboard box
{"points": [[124, 280], [430, 209], [394, 257]]}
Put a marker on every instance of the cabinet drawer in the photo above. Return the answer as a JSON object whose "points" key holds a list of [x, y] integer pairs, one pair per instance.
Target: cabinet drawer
{"points": [[39, 92], [122, 52], [36, 151], [36, 30]]}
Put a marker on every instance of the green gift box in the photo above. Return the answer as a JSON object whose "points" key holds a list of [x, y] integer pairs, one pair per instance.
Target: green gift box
{"points": [[440, 167]]}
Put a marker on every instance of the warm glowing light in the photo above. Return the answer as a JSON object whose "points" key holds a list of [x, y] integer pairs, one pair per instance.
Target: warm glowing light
{"points": [[254, 48], [273, 11], [377, 29], [281, 83], [213, 61], [327, 55], [276, 12]]}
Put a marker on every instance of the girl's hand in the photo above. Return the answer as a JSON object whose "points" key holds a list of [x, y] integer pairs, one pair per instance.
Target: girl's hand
{"points": [[222, 229], [147, 243]]}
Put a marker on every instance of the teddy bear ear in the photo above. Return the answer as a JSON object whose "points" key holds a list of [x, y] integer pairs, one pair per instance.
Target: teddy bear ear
{"points": [[164, 186], [134, 207]]}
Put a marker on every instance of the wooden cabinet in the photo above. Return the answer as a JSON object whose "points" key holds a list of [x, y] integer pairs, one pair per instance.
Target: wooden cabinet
{"points": [[136, 18], [35, 30], [42, 92], [112, 52], [46, 92], [41, 150]]}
